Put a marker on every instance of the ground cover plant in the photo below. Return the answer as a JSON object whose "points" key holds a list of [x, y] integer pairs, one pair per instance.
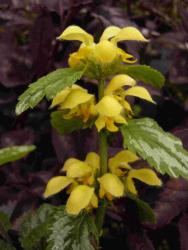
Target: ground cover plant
{"points": [[95, 193]]}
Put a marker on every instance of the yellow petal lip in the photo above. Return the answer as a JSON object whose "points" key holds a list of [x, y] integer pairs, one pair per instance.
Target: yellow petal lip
{"points": [[110, 125], [112, 184], [100, 123], [109, 106], [129, 34], [110, 32], [74, 32], [119, 81], [79, 199], [140, 92], [128, 58], [56, 184], [146, 175], [76, 97]]}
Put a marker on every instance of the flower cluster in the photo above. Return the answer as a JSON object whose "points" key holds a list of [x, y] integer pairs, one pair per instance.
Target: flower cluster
{"points": [[90, 51], [112, 109], [81, 181]]}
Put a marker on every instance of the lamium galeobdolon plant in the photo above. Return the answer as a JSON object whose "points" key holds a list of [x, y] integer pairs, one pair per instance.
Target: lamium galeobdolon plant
{"points": [[95, 183]]}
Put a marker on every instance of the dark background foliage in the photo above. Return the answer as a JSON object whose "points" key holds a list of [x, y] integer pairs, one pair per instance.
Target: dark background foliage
{"points": [[29, 50]]}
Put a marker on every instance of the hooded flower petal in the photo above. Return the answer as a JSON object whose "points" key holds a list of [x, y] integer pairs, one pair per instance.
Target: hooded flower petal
{"points": [[110, 32], [61, 96], [104, 52], [145, 175], [129, 33], [78, 169], [118, 82], [111, 184], [120, 161], [139, 92], [93, 160], [74, 32], [79, 199], [109, 106], [68, 163], [56, 184], [76, 97]]}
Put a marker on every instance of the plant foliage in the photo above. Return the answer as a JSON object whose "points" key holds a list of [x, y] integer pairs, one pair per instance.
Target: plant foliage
{"points": [[73, 232], [14, 153], [162, 150], [144, 73], [48, 86], [65, 126]]}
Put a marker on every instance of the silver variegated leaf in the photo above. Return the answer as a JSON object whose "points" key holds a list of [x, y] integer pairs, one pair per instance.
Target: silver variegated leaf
{"points": [[160, 149]]}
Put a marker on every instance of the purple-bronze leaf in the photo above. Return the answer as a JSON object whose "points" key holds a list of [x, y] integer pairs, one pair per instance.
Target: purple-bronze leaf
{"points": [[171, 202], [183, 230]]}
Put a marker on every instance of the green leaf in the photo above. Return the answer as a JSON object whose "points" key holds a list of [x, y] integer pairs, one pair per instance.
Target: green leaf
{"points": [[6, 246], [160, 149], [145, 212], [143, 73], [73, 232], [14, 153], [34, 230], [4, 221], [48, 86], [65, 126]]}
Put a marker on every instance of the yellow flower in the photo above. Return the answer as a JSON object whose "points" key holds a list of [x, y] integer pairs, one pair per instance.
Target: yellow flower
{"points": [[77, 101], [104, 52], [110, 186], [119, 164], [115, 89], [82, 197], [79, 176], [145, 175], [77, 169], [109, 111], [83, 171]]}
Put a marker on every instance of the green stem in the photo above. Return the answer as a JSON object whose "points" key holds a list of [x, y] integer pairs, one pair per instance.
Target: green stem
{"points": [[101, 215], [103, 152], [103, 145], [101, 87]]}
